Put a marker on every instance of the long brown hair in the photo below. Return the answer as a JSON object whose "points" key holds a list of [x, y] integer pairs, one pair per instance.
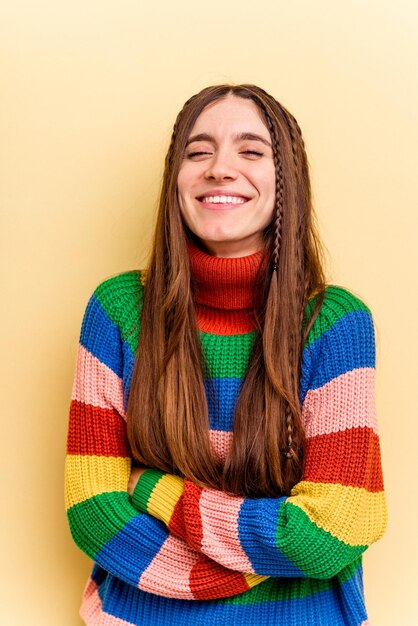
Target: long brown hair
{"points": [[168, 423]]}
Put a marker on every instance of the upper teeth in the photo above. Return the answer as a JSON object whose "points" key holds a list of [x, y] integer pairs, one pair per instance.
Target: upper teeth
{"points": [[224, 199]]}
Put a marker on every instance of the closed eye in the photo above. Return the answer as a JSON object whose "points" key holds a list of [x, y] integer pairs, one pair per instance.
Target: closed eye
{"points": [[254, 153], [192, 155]]}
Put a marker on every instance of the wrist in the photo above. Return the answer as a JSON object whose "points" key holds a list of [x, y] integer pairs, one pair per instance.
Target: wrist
{"points": [[157, 493]]}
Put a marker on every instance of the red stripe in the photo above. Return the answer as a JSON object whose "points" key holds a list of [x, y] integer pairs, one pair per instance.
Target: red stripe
{"points": [[96, 431], [221, 322], [176, 524], [194, 530], [350, 457], [207, 577]]}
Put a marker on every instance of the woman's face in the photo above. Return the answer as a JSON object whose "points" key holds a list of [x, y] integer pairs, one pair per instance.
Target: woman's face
{"points": [[226, 183]]}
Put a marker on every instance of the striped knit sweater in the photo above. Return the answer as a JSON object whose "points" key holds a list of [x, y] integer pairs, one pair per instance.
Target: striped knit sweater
{"points": [[175, 553]]}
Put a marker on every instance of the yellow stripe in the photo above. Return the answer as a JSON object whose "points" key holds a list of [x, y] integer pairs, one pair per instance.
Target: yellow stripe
{"points": [[254, 579], [352, 514], [164, 497], [88, 476]]}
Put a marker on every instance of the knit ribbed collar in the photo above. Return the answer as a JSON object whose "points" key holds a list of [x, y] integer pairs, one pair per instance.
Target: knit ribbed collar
{"points": [[223, 291]]}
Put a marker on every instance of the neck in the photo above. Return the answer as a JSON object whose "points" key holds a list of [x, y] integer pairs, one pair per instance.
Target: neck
{"points": [[234, 249], [224, 291]]}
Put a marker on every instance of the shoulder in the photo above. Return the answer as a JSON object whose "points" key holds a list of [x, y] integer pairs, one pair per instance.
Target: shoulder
{"points": [[341, 311], [343, 331], [117, 301], [120, 290], [340, 340]]}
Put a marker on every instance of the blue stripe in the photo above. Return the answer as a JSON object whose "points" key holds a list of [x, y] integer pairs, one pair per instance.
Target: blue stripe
{"points": [[257, 530], [327, 608], [349, 344], [352, 596], [136, 545], [100, 336], [222, 395]]}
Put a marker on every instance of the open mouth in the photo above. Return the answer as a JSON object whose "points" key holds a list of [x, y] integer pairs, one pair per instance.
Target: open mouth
{"points": [[224, 200]]}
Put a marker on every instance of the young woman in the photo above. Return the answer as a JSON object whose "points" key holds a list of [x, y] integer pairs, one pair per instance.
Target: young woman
{"points": [[223, 458]]}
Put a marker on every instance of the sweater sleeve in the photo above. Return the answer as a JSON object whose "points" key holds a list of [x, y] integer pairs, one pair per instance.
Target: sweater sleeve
{"points": [[338, 508], [133, 546]]}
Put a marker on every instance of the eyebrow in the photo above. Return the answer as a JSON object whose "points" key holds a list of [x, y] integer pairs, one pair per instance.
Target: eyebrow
{"points": [[239, 137]]}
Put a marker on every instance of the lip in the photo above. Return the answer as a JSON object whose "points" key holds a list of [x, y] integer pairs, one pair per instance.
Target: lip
{"points": [[223, 206], [218, 206]]}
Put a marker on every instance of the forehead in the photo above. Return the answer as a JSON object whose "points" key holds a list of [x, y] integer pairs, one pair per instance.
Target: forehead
{"points": [[231, 114]]}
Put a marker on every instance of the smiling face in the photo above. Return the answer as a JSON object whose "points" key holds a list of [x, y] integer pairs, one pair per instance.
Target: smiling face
{"points": [[226, 183]]}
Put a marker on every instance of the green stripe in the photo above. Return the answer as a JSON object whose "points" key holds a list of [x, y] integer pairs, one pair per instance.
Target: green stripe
{"points": [[316, 552], [144, 488], [86, 515], [337, 303], [121, 297], [276, 589], [227, 356]]}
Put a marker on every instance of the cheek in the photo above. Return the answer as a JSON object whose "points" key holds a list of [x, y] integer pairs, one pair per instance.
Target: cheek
{"points": [[184, 182], [184, 206], [180, 189], [266, 218], [264, 179]]}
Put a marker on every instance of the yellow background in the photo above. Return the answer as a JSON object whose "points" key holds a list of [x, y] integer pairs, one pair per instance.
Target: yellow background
{"points": [[89, 92]]}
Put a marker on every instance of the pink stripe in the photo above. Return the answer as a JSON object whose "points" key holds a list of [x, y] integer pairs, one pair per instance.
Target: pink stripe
{"points": [[109, 620], [366, 623], [96, 384], [91, 609], [345, 402], [169, 571], [219, 513], [221, 442]]}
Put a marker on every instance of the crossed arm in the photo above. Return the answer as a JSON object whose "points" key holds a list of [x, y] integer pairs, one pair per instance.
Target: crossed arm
{"points": [[176, 539]]}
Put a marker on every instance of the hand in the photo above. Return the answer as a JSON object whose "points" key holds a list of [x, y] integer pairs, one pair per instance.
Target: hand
{"points": [[134, 477]]}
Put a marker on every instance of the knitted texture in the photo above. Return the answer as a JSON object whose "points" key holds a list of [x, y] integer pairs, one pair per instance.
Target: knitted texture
{"points": [[175, 552]]}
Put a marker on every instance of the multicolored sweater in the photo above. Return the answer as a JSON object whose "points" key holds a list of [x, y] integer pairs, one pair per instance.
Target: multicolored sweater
{"points": [[177, 554]]}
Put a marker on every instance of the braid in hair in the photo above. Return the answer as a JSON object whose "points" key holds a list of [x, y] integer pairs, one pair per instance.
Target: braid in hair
{"points": [[289, 452], [277, 159], [295, 351], [301, 285]]}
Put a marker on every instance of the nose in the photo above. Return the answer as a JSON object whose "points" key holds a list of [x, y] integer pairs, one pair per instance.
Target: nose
{"points": [[221, 167]]}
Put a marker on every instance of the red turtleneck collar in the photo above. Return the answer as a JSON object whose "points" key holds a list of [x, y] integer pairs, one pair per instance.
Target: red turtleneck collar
{"points": [[223, 291]]}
